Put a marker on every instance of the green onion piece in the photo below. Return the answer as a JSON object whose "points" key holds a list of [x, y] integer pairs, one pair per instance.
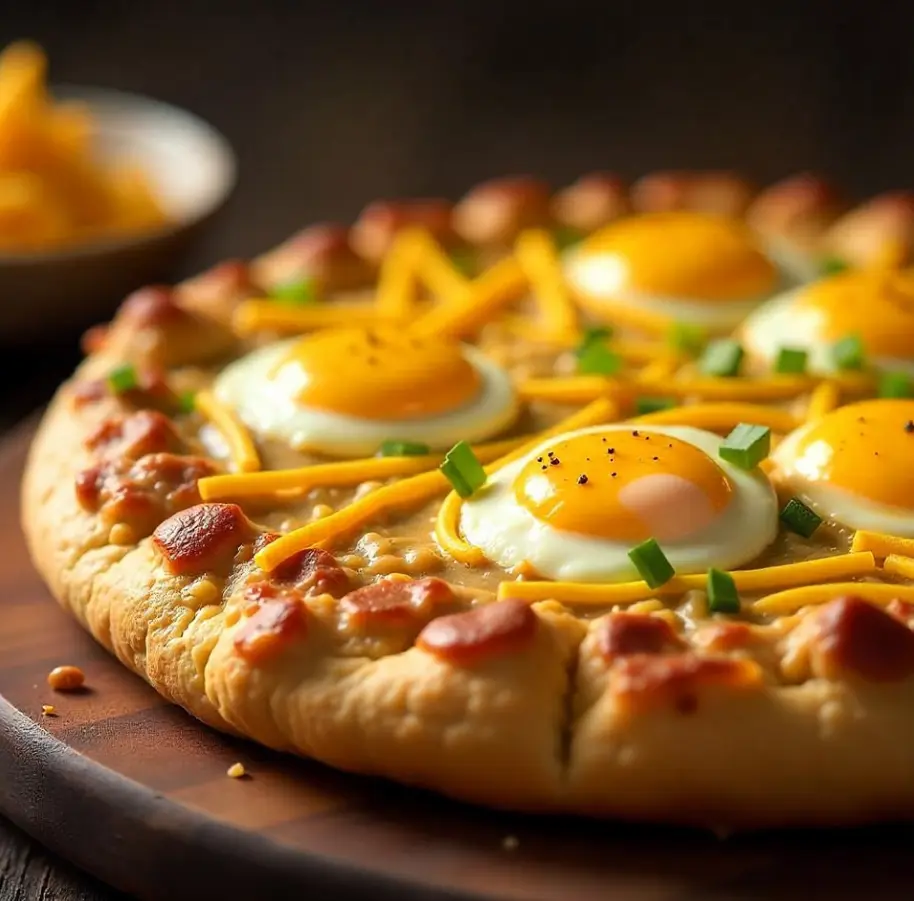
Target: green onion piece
{"points": [[832, 266], [895, 384], [687, 338], [566, 237], [464, 260], [651, 563], [463, 470], [791, 360], [722, 358], [123, 378], [722, 594], [187, 401], [296, 292], [654, 404], [596, 358], [799, 518], [595, 333], [403, 449], [746, 446], [848, 352]]}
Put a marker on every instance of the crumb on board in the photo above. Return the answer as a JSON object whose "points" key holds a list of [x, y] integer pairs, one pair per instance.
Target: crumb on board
{"points": [[48, 710], [66, 678], [236, 771], [510, 843]]}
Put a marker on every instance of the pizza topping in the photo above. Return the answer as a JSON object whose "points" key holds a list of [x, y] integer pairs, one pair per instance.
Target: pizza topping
{"points": [[242, 449], [798, 208], [216, 292], [312, 570], [66, 678], [150, 307], [497, 211], [89, 391], [204, 538], [719, 193], [373, 234], [623, 634], [591, 202], [277, 620], [320, 254], [879, 232], [538, 256], [495, 629], [93, 339], [396, 602], [724, 636], [134, 435], [850, 634], [649, 679]]}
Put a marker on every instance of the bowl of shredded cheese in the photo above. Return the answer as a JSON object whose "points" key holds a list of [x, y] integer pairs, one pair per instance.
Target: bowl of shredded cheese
{"points": [[101, 191]]}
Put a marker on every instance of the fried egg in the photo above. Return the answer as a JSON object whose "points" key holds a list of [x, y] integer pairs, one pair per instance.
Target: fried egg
{"points": [[345, 391], [705, 270], [574, 507], [855, 466], [877, 305]]}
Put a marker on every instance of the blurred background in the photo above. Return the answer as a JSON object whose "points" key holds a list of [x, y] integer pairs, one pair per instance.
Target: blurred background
{"points": [[331, 104]]}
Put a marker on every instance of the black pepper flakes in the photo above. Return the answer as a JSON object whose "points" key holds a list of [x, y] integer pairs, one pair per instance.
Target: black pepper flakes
{"points": [[613, 474], [635, 433], [909, 426], [655, 458], [539, 459], [555, 461], [582, 479]]}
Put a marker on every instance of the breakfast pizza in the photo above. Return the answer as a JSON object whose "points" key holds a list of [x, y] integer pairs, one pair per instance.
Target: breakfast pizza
{"points": [[596, 501]]}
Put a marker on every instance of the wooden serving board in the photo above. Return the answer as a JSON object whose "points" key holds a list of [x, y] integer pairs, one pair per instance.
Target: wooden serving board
{"points": [[136, 792]]}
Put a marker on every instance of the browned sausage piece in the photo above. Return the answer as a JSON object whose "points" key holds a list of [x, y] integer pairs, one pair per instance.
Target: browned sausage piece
{"points": [[591, 202], [491, 630], [396, 602], [374, 231], [720, 193], [622, 634], [496, 211], [204, 538]]}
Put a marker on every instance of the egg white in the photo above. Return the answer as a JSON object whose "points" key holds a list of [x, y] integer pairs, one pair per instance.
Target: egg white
{"points": [[509, 534], [269, 407], [836, 505], [780, 323], [595, 276]]}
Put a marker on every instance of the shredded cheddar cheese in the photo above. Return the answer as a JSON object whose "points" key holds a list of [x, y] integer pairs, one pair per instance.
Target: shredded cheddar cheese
{"points": [[396, 293], [786, 602], [252, 316], [280, 482], [241, 445], [825, 397], [658, 371], [765, 579], [882, 545], [896, 565], [410, 491], [488, 293], [722, 416], [537, 256], [773, 388], [437, 271]]}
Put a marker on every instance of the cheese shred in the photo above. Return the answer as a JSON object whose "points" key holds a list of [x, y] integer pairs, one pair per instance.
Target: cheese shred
{"points": [[397, 285], [717, 417], [242, 450], [824, 398], [252, 316], [882, 545], [749, 580], [786, 602], [538, 258], [896, 565]]}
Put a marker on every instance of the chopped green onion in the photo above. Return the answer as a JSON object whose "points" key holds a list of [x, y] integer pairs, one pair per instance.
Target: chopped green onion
{"points": [[566, 237], [722, 594], [832, 266], [791, 360], [799, 518], [746, 446], [403, 449], [687, 338], [187, 401], [463, 470], [296, 292], [646, 405], [595, 333], [123, 378], [464, 260], [596, 358], [722, 358], [651, 563], [848, 352], [895, 384]]}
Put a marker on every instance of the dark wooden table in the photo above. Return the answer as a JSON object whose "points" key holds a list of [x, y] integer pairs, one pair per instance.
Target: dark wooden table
{"points": [[332, 103]]}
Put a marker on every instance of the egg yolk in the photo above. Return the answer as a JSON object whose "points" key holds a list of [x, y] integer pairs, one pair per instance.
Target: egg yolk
{"points": [[625, 486], [866, 449], [680, 255], [876, 305], [378, 374]]}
